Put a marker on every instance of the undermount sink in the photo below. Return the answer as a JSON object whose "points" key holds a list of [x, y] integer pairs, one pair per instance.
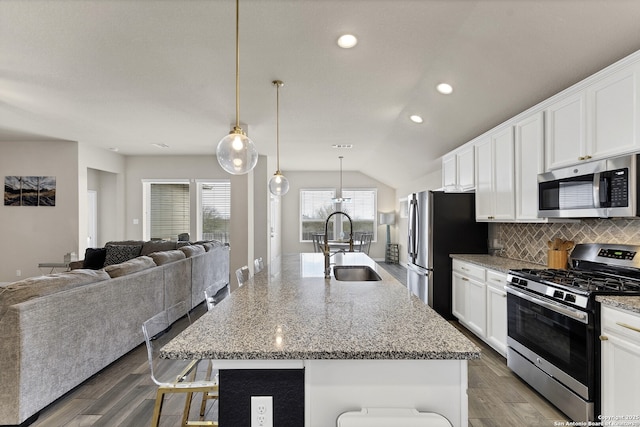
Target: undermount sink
{"points": [[355, 273]]}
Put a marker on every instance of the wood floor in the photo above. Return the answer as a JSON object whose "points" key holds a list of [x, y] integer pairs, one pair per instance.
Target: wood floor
{"points": [[123, 395]]}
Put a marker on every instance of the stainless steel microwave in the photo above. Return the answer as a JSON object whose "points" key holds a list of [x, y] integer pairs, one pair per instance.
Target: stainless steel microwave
{"points": [[600, 189]]}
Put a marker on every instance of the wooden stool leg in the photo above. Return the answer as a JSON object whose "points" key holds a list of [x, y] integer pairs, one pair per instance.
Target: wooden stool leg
{"points": [[204, 395]]}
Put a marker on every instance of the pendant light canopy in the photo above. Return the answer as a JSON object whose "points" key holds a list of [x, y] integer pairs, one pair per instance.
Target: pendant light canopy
{"points": [[236, 153], [339, 198], [278, 184]]}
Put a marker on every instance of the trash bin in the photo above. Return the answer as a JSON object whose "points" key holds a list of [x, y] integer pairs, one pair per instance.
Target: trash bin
{"points": [[396, 417]]}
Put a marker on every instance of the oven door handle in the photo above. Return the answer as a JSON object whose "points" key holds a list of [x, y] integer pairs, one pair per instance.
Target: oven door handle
{"points": [[567, 311]]}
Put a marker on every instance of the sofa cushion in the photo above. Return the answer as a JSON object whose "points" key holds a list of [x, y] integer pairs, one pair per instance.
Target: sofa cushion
{"points": [[192, 250], [34, 287], [126, 242], [131, 266], [121, 253], [161, 258], [94, 258], [157, 246]]}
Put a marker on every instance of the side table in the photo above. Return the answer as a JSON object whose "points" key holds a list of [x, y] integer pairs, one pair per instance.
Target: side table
{"points": [[53, 266]]}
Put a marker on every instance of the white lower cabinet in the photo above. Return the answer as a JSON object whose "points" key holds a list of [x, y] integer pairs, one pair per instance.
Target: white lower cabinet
{"points": [[497, 311], [620, 340], [479, 302]]}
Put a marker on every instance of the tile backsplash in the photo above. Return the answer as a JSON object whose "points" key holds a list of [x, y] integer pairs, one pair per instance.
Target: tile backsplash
{"points": [[528, 242]]}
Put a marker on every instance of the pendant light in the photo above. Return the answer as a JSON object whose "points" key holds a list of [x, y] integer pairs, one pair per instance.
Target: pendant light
{"points": [[278, 184], [339, 198], [236, 152]]}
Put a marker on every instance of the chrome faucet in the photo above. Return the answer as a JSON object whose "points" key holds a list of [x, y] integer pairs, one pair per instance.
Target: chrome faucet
{"points": [[326, 251]]}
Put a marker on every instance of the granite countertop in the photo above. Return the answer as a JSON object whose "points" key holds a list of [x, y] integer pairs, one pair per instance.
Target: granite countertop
{"points": [[627, 303], [495, 262], [290, 311]]}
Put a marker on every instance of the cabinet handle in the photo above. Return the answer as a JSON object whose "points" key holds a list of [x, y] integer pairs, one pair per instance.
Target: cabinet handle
{"points": [[587, 157], [463, 268], [465, 279], [581, 158], [624, 325], [603, 337]]}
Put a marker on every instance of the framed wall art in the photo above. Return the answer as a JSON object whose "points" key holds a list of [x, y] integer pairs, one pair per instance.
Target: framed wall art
{"points": [[29, 190]]}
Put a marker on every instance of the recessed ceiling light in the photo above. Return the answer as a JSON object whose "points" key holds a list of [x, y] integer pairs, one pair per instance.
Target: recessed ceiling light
{"points": [[444, 88], [160, 145], [415, 118], [114, 149], [342, 146], [347, 41]]}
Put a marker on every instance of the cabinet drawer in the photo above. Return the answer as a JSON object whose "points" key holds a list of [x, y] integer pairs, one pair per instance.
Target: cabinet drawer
{"points": [[622, 323], [496, 279], [469, 270]]}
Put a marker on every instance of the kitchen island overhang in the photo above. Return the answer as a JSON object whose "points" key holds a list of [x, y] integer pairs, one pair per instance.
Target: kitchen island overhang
{"points": [[361, 344]]}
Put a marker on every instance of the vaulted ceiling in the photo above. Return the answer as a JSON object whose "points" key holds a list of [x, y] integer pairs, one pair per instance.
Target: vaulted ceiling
{"points": [[132, 73]]}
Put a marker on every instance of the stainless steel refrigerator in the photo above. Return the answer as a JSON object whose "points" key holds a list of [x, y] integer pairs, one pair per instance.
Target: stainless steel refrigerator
{"points": [[440, 224]]}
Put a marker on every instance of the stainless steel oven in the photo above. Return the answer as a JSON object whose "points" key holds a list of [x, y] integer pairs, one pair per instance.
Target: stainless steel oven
{"points": [[557, 340], [552, 323]]}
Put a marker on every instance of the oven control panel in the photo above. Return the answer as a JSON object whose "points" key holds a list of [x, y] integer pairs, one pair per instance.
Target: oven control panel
{"points": [[616, 254]]}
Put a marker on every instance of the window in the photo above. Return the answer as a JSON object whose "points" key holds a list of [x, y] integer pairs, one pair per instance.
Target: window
{"points": [[167, 213], [214, 210], [362, 210], [167, 209], [316, 206]]}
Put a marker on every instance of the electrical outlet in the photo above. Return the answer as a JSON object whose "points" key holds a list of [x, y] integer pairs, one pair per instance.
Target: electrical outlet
{"points": [[261, 411], [18, 273]]}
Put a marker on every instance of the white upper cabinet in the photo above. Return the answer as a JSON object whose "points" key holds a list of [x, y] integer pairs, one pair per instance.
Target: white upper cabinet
{"points": [[613, 114], [458, 169], [466, 168], [495, 194], [596, 122], [566, 132], [529, 158]]}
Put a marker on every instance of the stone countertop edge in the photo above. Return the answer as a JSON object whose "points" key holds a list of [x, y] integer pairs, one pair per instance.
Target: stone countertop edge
{"points": [[629, 303], [494, 262], [320, 318]]}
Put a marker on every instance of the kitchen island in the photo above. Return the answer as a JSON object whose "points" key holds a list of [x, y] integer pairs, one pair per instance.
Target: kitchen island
{"points": [[359, 344]]}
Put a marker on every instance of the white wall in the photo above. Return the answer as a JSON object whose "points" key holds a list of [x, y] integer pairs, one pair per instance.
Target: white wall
{"points": [[306, 180], [32, 234]]}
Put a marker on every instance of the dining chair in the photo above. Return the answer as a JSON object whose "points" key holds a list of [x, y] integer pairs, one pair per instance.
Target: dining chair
{"points": [[365, 242], [243, 275], [258, 265], [318, 241], [173, 376]]}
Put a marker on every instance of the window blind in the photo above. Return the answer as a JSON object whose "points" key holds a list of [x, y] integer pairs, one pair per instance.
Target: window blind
{"points": [[169, 210]]}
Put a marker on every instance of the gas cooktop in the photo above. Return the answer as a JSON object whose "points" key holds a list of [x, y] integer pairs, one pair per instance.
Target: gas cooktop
{"points": [[582, 281]]}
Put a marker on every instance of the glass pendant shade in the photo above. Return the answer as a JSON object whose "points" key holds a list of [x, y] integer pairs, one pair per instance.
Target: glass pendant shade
{"points": [[278, 184], [236, 153]]}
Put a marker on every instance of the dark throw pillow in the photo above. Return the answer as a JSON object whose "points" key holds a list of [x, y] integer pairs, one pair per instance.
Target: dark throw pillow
{"points": [[121, 253], [94, 258]]}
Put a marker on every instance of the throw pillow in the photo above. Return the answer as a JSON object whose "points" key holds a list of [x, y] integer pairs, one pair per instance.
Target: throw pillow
{"points": [[94, 258], [121, 253]]}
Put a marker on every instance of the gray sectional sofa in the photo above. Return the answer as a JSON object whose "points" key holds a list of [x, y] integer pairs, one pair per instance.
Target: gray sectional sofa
{"points": [[58, 330]]}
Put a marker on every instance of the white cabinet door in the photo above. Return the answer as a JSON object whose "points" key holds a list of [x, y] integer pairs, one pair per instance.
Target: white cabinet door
{"points": [[529, 162], [497, 311], [475, 316], [484, 180], [620, 341], [458, 295], [495, 196], [466, 168], [503, 170], [613, 105], [449, 172], [565, 131]]}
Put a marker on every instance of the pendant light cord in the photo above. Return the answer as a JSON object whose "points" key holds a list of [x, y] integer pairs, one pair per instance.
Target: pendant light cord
{"points": [[278, 84], [237, 63]]}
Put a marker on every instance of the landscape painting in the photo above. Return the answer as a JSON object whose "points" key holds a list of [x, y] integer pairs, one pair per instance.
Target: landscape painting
{"points": [[29, 190]]}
